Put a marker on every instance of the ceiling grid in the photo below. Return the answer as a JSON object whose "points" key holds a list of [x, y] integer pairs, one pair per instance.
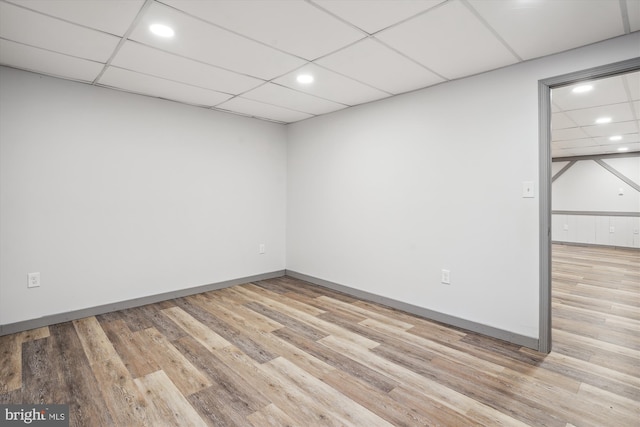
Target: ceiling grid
{"points": [[244, 56]]}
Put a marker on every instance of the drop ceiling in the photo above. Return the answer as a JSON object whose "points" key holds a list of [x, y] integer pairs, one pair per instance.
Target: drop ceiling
{"points": [[243, 56], [602, 120]]}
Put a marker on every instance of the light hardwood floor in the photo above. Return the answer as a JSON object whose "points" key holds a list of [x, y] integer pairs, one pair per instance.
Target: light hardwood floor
{"points": [[284, 352]]}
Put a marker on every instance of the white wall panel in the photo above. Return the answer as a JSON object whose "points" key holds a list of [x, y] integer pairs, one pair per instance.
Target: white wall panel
{"points": [[623, 231], [113, 196], [585, 229], [558, 232], [557, 166], [383, 196], [592, 229], [587, 186], [572, 233], [628, 166], [603, 237]]}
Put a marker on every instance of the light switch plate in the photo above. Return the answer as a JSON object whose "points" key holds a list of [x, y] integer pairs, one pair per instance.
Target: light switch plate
{"points": [[446, 277], [527, 189]]}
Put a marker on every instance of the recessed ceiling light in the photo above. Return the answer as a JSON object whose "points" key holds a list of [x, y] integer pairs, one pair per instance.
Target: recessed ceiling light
{"points": [[582, 89], [161, 30], [603, 120], [305, 79], [623, 149], [615, 138]]}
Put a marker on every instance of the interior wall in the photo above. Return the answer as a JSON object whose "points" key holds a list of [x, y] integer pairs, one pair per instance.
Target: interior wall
{"points": [[588, 187], [113, 196], [383, 196]]}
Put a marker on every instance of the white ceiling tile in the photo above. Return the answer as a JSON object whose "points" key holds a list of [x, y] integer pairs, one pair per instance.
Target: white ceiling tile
{"points": [[590, 147], [331, 86], [626, 139], [613, 148], [284, 97], [373, 63], [569, 133], [558, 154], [633, 82], [636, 106], [46, 62], [575, 143], [561, 121], [32, 28], [588, 116], [145, 59], [266, 111], [633, 10], [605, 91], [227, 47], [449, 40], [542, 27], [296, 27], [375, 15], [633, 146], [149, 85], [207, 43], [590, 150], [111, 16], [611, 129]]}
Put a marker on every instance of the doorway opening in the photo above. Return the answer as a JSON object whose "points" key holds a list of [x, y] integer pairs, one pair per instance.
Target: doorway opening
{"points": [[546, 173]]}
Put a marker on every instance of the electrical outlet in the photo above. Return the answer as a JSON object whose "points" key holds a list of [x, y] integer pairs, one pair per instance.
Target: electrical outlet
{"points": [[33, 280], [261, 248], [612, 229], [446, 277], [566, 227]]}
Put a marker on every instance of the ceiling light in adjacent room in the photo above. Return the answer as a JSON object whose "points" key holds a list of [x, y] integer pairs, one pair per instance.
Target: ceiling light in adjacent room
{"points": [[623, 149], [615, 138], [603, 120], [582, 89], [161, 30], [305, 79]]}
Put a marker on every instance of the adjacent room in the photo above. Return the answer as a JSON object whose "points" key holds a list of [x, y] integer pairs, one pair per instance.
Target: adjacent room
{"points": [[320, 212]]}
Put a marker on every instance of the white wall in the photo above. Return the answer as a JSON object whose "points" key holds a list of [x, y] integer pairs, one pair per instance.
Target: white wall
{"points": [[588, 187], [383, 196], [113, 196], [607, 230]]}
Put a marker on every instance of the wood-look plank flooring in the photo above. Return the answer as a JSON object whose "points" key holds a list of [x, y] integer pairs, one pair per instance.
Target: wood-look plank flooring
{"points": [[283, 352]]}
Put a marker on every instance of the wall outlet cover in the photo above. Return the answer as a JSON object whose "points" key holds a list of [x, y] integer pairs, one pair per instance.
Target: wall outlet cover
{"points": [[33, 280]]}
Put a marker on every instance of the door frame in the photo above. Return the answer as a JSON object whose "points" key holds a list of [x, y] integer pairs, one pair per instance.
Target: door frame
{"points": [[544, 133]]}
